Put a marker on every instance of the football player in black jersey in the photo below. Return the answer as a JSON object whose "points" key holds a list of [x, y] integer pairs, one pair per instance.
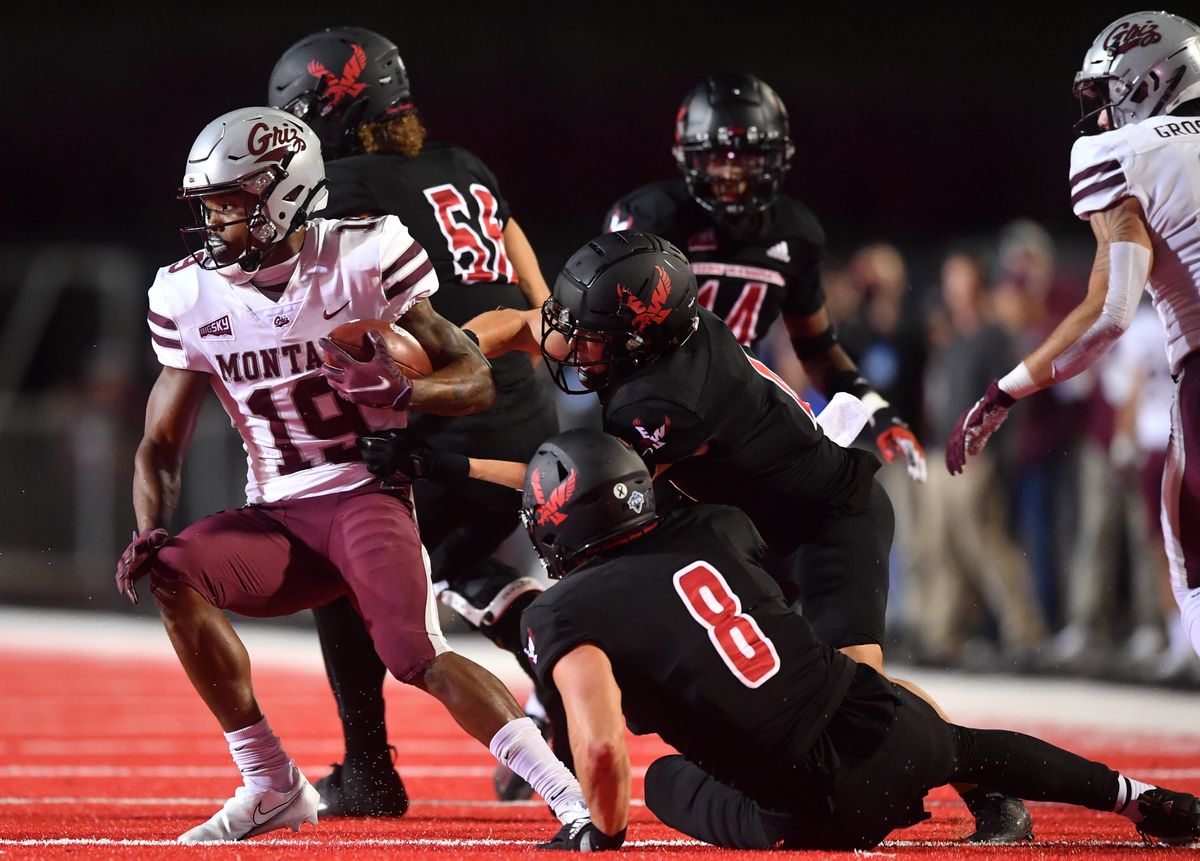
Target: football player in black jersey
{"points": [[669, 622], [350, 86], [756, 253], [720, 427]]}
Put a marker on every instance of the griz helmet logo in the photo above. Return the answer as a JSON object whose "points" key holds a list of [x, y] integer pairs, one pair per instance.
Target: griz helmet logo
{"points": [[644, 315], [1126, 36], [549, 509], [270, 143], [347, 85]]}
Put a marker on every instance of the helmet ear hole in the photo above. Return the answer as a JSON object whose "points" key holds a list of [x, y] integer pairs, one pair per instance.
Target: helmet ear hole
{"points": [[1143, 90]]}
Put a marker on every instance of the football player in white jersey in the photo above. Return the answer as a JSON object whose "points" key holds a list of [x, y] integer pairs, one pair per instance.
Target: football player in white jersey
{"points": [[246, 314], [1137, 181]]}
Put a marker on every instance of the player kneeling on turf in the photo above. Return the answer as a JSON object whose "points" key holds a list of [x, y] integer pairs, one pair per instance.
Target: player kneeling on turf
{"points": [[670, 623]]}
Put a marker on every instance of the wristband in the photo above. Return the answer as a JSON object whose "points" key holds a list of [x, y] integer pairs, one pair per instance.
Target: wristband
{"points": [[1018, 382]]}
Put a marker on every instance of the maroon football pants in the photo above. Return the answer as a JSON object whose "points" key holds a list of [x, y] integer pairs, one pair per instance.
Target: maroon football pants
{"points": [[276, 558]]}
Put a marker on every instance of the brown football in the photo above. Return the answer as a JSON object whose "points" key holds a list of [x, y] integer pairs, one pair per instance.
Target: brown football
{"points": [[403, 347]]}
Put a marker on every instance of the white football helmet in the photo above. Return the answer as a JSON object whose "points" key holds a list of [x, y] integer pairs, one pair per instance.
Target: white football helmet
{"points": [[263, 151], [1143, 65]]}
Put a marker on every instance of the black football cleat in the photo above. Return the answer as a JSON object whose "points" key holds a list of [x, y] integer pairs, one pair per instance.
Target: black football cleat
{"points": [[998, 818], [1169, 817], [363, 788]]}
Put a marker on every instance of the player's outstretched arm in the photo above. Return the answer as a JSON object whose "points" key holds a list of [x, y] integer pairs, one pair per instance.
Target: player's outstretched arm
{"points": [[596, 726], [831, 371], [1121, 268], [1124, 257], [171, 414], [400, 455], [462, 381], [529, 274], [507, 329]]}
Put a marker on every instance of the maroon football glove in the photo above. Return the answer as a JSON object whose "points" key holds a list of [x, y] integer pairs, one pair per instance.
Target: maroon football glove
{"points": [[374, 382], [976, 426], [141, 550]]}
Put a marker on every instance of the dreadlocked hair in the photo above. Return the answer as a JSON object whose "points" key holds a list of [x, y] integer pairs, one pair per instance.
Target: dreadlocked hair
{"points": [[403, 135]]}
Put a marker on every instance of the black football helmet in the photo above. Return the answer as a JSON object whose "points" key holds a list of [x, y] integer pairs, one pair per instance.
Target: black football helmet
{"points": [[338, 79], [732, 144], [621, 301], [584, 490]]}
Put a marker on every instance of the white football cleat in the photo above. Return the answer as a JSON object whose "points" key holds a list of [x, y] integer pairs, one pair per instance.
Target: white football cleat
{"points": [[250, 813]]}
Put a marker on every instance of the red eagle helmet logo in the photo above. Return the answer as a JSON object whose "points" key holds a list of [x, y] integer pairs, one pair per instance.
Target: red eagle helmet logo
{"points": [[549, 509], [347, 85], [644, 315]]}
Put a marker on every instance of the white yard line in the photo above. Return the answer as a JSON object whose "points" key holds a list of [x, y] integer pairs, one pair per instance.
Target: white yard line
{"points": [[1052, 703]]}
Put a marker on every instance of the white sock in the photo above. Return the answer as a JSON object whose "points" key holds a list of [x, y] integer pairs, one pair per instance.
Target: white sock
{"points": [[521, 747], [259, 755], [1128, 792]]}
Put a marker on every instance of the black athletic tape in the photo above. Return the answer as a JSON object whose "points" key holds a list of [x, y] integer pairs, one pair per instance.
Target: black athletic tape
{"points": [[849, 381], [814, 345]]}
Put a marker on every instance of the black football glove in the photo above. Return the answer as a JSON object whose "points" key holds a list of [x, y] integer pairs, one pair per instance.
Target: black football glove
{"points": [[582, 836], [396, 455]]}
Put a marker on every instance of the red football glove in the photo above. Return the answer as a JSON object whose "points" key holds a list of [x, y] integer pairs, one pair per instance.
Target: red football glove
{"points": [[977, 424], [899, 440], [375, 382], [141, 550]]}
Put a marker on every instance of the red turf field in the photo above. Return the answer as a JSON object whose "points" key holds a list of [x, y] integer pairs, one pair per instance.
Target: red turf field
{"points": [[108, 758]]}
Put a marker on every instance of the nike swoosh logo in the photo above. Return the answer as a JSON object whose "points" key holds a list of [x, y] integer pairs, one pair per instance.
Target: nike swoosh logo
{"points": [[329, 316], [383, 384], [268, 815]]}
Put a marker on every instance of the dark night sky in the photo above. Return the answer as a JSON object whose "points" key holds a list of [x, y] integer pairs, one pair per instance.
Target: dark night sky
{"points": [[913, 123]]}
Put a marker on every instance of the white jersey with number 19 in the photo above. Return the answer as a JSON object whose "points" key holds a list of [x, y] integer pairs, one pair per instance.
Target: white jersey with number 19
{"points": [[1156, 161], [300, 438]]}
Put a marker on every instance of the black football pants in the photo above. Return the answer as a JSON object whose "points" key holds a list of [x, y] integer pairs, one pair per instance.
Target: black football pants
{"points": [[882, 792], [840, 575]]}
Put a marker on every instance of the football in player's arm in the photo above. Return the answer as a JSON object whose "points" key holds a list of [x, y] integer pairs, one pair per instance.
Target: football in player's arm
{"points": [[245, 314], [381, 161]]}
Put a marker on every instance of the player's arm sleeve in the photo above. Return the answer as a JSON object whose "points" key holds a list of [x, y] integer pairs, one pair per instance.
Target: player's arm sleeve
{"points": [[662, 432], [1098, 174], [406, 274], [165, 334], [348, 194], [549, 633]]}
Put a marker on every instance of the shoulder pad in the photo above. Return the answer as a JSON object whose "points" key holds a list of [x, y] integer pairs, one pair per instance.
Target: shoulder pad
{"points": [[1098, 172]]}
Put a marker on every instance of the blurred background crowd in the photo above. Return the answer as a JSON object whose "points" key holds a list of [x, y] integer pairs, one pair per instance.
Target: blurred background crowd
{"points": [[1045, 556]]}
